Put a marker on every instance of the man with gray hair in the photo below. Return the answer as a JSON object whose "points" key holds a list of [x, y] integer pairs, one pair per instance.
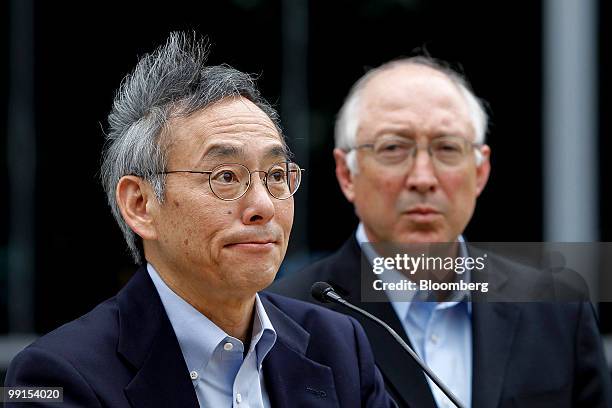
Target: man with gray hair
{"points": [[411, 156], [200, 180]]}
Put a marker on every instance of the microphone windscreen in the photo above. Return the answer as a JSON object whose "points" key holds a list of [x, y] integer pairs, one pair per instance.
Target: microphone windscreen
{"points": [[319, 289]]}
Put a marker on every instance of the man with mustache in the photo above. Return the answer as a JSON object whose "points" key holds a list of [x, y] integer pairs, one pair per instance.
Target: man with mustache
{"points": [[410, 156], [200, 180]]}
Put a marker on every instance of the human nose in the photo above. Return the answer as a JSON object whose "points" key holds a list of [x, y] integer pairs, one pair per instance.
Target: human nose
{"points": [[422, 176], [259, 208]]}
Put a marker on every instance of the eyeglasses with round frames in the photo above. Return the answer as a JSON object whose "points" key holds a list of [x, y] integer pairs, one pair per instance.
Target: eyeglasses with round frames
{"points": [[444, 150], [231, 181]]}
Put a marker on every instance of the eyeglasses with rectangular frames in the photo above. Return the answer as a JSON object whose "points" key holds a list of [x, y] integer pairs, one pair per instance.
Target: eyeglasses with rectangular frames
{"points": [[231, 181], [447, 150]]}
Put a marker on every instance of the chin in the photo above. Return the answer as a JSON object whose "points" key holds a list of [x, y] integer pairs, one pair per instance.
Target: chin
{"points": [[259, 276], [265, 284], [424, 237]]}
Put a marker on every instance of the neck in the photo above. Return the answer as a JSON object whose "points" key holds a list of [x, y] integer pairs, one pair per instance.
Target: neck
{"points": [[233, 317], [440, 250], [231, 312]]}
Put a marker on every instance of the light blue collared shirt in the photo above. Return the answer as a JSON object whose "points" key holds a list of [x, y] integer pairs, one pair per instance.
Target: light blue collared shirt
{"points": [[221, 375], [440, 332]]}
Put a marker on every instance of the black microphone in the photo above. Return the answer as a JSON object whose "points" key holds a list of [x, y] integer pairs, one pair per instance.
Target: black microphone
{"points": [[325, 293]]}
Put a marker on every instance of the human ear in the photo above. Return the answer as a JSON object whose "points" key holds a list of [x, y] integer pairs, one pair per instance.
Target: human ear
{"points": [[137, 201], [483, 169], [344, 174]]}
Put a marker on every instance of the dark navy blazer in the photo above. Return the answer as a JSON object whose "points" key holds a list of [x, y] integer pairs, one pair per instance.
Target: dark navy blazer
{"points": [[124, 353], [525, 354]]}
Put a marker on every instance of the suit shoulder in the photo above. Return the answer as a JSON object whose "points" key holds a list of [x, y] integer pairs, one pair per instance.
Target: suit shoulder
{"points": [[96, 330], [526, 282]]}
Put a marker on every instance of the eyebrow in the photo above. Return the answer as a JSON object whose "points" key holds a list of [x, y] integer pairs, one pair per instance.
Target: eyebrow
{"points": [[408, 133], [277, 151], [224, 151]]}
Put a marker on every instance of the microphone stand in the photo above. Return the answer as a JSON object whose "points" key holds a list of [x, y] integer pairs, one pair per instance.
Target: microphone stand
{"points": [[324, 292]]}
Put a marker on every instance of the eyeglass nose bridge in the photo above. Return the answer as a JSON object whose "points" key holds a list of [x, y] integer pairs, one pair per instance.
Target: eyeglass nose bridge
{"points": [[414, 151], [264, 182], [264, 179]]}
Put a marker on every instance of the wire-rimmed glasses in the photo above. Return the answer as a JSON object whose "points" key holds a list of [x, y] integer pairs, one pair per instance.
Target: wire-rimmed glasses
{"points": [[447, 150], [230, 181]]}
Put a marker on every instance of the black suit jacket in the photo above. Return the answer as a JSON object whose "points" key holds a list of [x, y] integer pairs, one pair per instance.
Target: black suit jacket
{"points": [[124, 353], [524, 354]]}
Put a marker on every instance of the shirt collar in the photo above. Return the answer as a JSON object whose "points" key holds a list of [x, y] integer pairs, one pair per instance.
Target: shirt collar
{"points": [[401, 303], [198, 337], [264, 335]]}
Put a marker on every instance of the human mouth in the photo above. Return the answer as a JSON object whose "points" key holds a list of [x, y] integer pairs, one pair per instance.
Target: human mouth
{"points": [[253, 245], [423, 213]]}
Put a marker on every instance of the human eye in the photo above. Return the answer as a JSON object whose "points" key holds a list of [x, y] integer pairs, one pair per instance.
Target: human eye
{"points": [[449, 146], [393, 150], [277, 174], [449, 150], [225, 176], [391, 147]]}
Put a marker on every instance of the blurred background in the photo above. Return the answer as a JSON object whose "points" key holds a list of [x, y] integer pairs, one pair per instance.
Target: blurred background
{"points": [[540, 66]]}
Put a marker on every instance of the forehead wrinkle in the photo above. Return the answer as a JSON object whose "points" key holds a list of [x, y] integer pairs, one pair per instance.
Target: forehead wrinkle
{"points": [[232, 131], [239, 123], [224, 151], [411, 131], [257, 111], [405, 117], [247, 103]]}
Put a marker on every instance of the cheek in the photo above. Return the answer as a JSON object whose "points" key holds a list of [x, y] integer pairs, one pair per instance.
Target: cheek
{"points": [[381, 190], [376, 199], [195, 222], [284, 215], [460, 188], [460, 182]]}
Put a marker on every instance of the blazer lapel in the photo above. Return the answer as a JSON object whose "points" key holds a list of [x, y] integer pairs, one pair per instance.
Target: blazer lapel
{"points": [[398, 368], [292, 379], [493, 329], [147, 341]]}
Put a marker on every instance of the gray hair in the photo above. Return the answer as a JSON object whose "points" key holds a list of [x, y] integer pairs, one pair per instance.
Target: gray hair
{"points": [[173, 81], [348, 118]]}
